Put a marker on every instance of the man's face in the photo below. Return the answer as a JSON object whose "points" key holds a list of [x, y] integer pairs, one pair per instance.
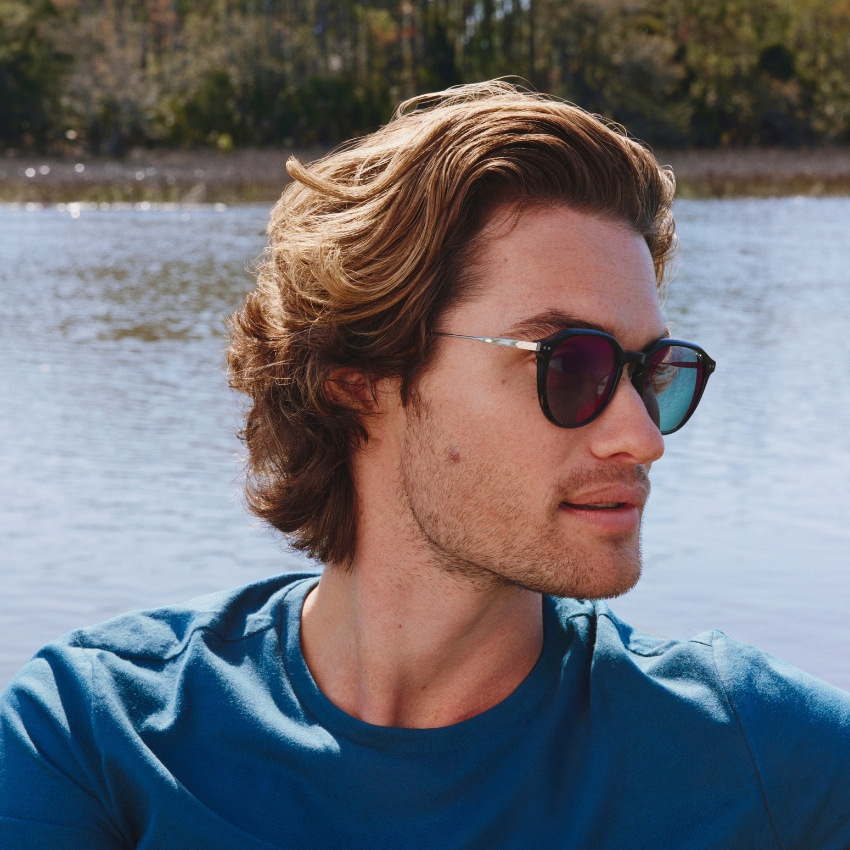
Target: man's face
{"points": [[497, 491]]}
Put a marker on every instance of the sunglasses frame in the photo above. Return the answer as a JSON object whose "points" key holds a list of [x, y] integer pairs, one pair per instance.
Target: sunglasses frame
{"points": [[545, 348]]}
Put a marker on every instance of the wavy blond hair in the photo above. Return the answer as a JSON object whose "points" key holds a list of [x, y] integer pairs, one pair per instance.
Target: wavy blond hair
{"points": [[369, 246]]}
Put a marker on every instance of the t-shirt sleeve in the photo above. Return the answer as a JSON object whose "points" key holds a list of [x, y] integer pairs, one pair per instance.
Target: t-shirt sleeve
{"points": [[49, 795], [798, 731]]}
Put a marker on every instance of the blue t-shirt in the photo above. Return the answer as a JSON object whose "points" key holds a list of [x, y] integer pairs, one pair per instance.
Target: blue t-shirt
{"points": [[201, 727]]}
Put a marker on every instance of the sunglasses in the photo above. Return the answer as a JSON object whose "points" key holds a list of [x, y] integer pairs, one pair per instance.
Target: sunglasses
{"points": [[578, 372]]}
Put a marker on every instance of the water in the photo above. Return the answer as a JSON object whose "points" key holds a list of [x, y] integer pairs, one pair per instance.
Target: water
{"points": [[748, 527], [119, 464]]}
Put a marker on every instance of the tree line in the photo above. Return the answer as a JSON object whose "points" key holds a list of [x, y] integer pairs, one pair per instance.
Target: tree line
{"points": [[105, 75]]}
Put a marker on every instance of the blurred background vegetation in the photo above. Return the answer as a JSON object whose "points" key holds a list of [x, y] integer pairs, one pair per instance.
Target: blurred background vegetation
{"points": [[103, 76]]}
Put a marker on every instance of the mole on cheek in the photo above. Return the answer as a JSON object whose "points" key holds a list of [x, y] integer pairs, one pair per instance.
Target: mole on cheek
{"points": [[454, 455]]}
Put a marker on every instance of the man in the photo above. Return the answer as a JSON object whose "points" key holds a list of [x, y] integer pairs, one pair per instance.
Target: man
{"points": [[459, 379]]}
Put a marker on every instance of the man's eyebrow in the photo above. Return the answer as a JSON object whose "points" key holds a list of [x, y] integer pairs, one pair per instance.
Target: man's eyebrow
{"points": [[550, 322]]}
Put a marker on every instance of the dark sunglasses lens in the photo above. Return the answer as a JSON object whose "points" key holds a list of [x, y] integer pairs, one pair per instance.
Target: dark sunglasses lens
{"points": [[674, 376], [580, 378]]}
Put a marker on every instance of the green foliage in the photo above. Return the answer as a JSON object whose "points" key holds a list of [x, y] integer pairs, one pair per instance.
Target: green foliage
{"points": [[114, 73], [30, 67]]}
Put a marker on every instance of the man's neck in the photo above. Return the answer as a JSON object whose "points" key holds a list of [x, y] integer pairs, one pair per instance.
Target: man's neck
{"points": [[418, 648]]}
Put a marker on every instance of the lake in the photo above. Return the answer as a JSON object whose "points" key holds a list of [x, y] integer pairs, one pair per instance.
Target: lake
{"points": [[120, 466]]}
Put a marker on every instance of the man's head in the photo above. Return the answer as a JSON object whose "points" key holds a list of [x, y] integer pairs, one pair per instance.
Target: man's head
{"points": [[485, 212]]}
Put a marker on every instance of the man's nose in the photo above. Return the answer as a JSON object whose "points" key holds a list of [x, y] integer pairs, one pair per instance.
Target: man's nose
{"points": [[626, 428]]}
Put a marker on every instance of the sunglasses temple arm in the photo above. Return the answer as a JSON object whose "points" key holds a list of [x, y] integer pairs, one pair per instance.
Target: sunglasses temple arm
{"points": [[496, 340]]}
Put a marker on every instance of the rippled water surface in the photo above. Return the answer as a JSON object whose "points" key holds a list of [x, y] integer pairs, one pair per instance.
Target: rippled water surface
{"points": [[119, 465]]}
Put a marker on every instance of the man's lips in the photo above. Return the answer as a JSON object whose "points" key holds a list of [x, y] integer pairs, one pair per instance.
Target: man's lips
{"points": [[613, 510], [605, 507], [609, 498]]}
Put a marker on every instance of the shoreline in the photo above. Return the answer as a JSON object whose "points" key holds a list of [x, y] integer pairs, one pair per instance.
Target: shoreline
{"points": [[259, 176]]}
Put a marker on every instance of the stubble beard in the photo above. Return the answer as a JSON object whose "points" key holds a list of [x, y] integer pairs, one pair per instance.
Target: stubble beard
{"points": [[479, 530]]}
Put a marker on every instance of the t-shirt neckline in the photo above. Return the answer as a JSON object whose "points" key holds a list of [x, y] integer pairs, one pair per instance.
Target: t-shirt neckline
{"points": [[494, 723]]}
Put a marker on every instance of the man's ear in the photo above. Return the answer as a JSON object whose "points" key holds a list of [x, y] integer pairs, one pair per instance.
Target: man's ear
{"points": [[349, 388]]}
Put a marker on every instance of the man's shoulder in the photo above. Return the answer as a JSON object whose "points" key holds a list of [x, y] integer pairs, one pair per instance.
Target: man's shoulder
{"points": [[161, 634], [717, 714], [750, 682], [594, 624], [135, 664]]}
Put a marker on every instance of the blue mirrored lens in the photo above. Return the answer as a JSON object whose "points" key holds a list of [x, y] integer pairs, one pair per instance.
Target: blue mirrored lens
{"points": [[673, 377]]}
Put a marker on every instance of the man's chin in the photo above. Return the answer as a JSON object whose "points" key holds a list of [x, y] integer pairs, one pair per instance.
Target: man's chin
{"points": [[588, 577]]}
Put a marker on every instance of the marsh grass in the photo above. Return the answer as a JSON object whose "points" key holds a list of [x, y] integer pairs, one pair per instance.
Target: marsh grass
{"points": [[259, 176]]}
